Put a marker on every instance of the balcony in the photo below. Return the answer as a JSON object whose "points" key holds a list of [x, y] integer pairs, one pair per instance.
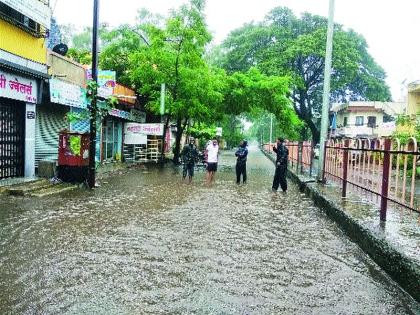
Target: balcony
{"points": [[354, 131]]}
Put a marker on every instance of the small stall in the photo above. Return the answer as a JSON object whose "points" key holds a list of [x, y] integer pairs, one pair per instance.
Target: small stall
{"points": [[142, 142], [73, 156]]}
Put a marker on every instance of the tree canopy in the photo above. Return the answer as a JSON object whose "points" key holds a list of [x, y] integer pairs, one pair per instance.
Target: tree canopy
{"points": [[274, 67], [284, 44]]}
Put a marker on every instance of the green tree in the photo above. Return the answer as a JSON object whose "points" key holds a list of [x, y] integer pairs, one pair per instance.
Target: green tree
{"points": [[175, 56], [253, 92], [120, 43], [286, 45], [261, 121]]}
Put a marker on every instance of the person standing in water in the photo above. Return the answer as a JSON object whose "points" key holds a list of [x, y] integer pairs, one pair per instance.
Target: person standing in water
{"points": [[281, 165], [189, 155], [212, 152], [241, 155]]}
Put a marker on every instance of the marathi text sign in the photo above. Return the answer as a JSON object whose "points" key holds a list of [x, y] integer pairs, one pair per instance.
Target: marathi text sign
{"points": [[119, 113], [18, 88], [67, 94], [33, 9], [147, 129], [132, 134]]}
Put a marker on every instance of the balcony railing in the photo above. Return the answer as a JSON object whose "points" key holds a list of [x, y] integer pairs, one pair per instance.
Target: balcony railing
{"points": [[357, 130]]}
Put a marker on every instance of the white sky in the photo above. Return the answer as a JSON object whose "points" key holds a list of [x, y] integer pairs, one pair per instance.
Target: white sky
{"points": [[390, 27]]}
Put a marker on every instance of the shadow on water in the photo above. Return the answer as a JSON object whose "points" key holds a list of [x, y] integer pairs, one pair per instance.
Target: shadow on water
{"points": [[146, 243]]}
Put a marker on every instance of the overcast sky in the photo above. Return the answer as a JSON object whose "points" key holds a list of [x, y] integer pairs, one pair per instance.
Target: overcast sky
{"points": [[390, 27]]}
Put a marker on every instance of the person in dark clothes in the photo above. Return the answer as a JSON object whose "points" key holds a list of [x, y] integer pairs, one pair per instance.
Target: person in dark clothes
{"points": [[189, 155], [241, 155], [281, 165]]}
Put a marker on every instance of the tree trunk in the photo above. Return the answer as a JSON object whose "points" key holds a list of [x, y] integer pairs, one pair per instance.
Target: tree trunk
{"points": [[315, 132], [179, 131]]}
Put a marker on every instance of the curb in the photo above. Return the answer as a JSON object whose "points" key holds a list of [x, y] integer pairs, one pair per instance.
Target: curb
{"points": [[398, 266], [41, 193]]}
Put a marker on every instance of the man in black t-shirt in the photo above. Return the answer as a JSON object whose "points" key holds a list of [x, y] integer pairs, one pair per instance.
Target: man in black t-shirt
{"points": [[281, 165], [189, 156]]}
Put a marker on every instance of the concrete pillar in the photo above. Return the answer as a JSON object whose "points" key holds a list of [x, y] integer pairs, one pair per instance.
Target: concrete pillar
{"points": [[30, 116]]}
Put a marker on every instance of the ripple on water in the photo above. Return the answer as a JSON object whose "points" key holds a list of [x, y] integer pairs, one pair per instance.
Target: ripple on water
{"points": [[145, 243]]}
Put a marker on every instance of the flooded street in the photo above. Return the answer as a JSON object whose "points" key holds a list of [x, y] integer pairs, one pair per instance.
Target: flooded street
{"points": [[145, 243]]}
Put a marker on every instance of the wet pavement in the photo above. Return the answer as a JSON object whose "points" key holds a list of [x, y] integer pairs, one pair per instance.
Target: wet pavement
{"points": [[145, 243]]}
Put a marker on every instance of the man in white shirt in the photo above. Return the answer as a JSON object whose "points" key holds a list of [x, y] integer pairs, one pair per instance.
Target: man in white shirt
{"points": [[212, 151]]}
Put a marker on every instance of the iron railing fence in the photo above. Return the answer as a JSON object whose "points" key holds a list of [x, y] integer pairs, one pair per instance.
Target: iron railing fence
{"points": [[301, 156], [378, 170]]}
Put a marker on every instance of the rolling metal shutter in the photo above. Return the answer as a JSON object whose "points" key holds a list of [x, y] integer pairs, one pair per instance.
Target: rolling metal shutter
{"points": [[50, 121], [12, 138]]}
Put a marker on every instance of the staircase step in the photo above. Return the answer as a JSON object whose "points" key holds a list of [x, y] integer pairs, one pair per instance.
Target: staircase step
{"points": [[26, 188], [53, 190]]}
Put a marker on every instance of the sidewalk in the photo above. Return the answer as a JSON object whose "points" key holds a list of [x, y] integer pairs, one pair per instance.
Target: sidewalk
{"points": [[394, 245]]}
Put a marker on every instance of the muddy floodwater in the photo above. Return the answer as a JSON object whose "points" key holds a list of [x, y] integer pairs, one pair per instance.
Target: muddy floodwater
{"points": [[145, 243]]}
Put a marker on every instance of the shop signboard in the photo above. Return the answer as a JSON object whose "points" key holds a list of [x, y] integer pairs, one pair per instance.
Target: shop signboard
{"points": [[151, 129], [119, 113], [18, 88], [67, 94], [133, 135], [106, 82], [34, 9], [141, 131]]}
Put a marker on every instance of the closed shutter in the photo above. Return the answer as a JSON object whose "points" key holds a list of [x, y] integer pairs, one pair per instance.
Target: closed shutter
{"points": [[50, 121]]}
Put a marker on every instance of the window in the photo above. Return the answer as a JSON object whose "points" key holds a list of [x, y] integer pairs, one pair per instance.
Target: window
{"points": [[345, 121], [372, 121], [359, 120], [14, 17]]}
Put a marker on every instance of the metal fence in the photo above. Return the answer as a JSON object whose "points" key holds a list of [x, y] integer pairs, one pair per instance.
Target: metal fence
{"points": [[301, 156], [381, 170], [378, 170]]}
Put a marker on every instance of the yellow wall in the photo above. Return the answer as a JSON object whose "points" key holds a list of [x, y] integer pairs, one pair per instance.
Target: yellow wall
{"points": [[413, 103], [18, 42]]}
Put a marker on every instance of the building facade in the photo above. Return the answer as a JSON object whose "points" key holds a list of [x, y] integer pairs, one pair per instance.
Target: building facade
{"points": [[365, 119], [23, 71], [66, 89], [413, 98]]}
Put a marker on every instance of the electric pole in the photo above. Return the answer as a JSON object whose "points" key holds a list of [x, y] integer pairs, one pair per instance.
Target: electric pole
{"points": [[326, 94], [93, 108], [271, 130]]}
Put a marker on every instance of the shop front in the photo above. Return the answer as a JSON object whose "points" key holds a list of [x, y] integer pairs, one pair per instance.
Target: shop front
{"points": [[18, 96], [112, 135], [53, 117], [111, 140], [142, 142]]}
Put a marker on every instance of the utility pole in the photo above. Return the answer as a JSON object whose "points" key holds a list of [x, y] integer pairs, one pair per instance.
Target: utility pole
{"points": [[326, 94], [271, 130], [162, 112], [93, 108], [162, 99]]}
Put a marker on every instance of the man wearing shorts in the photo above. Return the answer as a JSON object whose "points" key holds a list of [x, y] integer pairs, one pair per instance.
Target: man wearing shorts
{"points": [[212, 159]]}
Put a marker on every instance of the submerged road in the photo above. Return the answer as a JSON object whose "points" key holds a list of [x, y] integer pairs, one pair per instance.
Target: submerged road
{"points": [[144, 243]]}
